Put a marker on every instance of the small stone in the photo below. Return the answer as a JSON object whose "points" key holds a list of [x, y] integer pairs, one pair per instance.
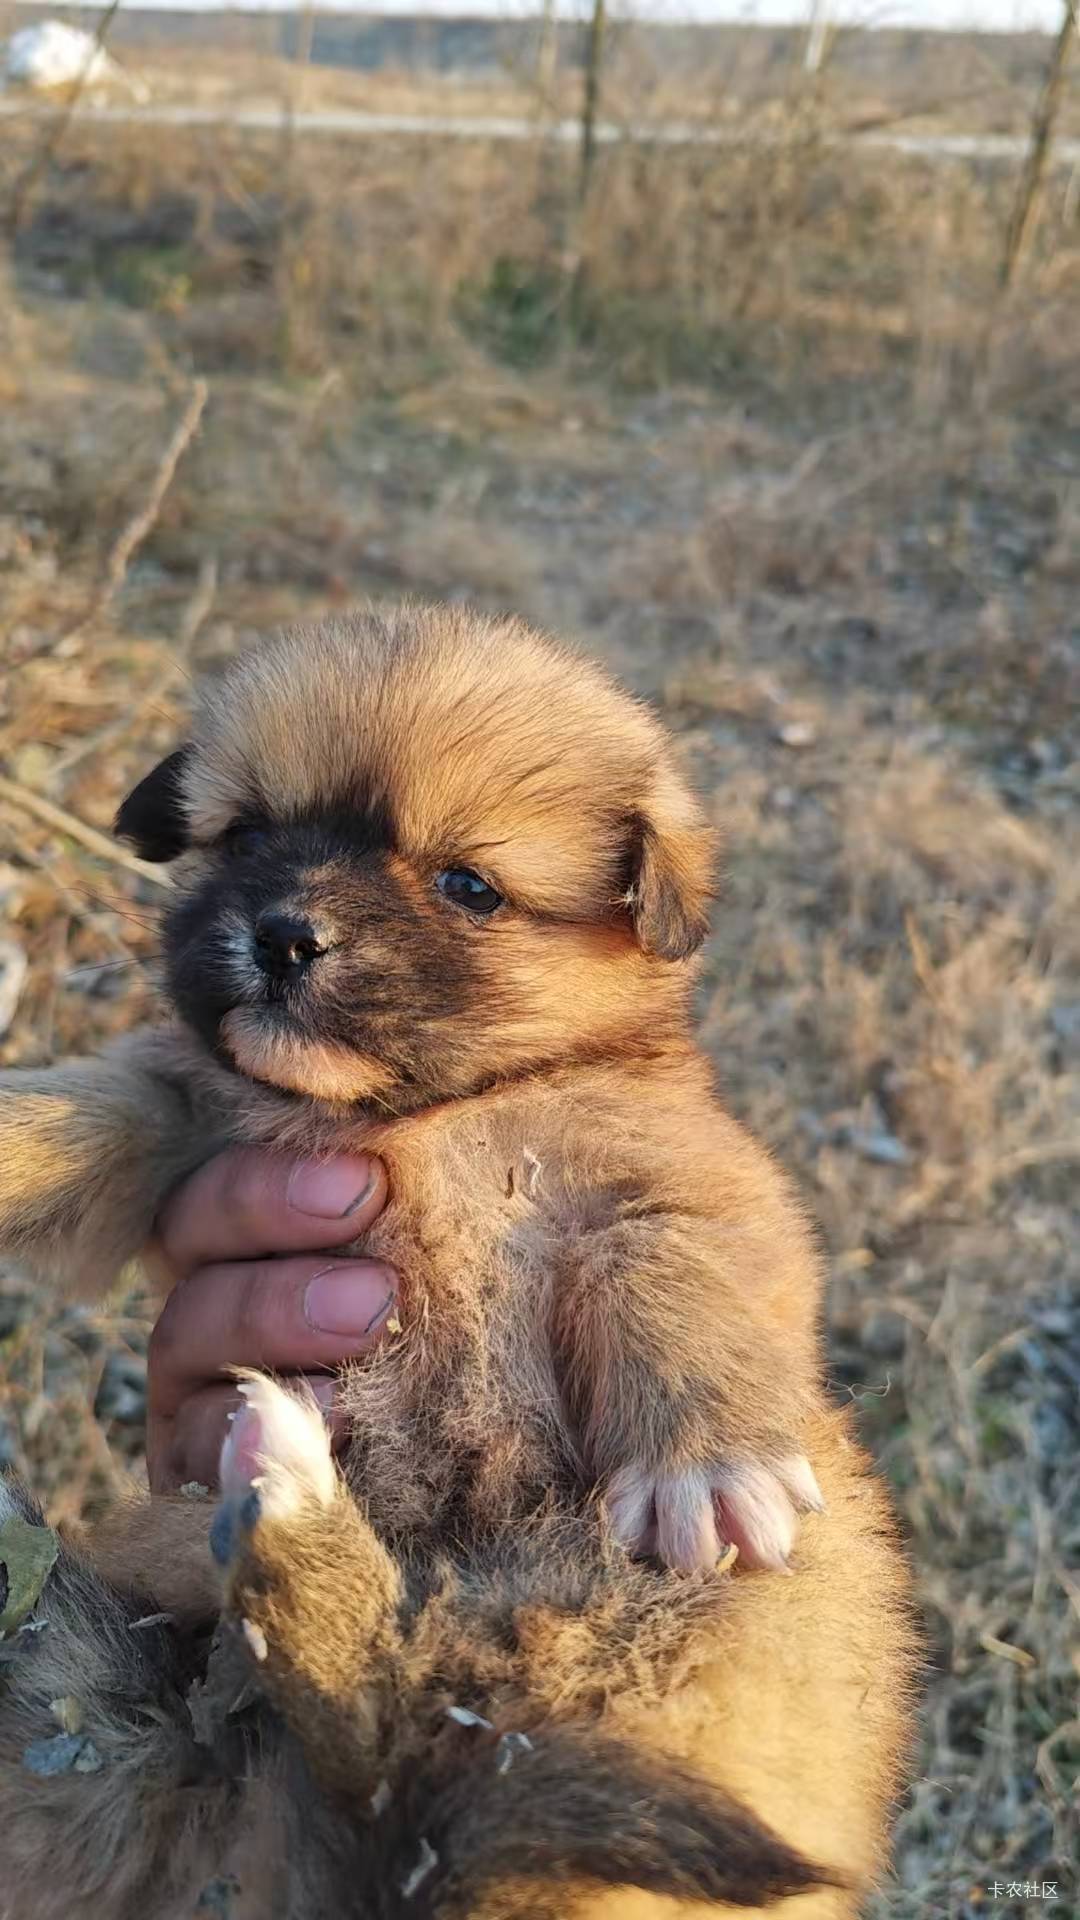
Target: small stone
{"points": [[63, 1753], [884, 1148], [797, 734]]}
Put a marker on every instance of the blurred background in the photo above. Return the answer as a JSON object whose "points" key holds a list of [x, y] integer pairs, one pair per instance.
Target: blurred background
{"points": [[744, 346]]}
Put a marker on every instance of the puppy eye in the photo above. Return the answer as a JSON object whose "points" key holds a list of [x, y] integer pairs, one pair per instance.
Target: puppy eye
{"points": [[466, 889], [244, 837]]}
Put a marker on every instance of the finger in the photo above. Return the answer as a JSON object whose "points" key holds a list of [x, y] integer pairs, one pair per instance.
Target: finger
{"points": [[187, 1449], [293, 1316], [247, 1202]]}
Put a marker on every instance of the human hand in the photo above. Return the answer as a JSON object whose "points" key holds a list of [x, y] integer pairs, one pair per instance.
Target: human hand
{"points": [[245, 1246]]}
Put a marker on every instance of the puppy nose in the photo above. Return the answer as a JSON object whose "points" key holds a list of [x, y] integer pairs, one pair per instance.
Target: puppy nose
{"points": [[285, 947]]}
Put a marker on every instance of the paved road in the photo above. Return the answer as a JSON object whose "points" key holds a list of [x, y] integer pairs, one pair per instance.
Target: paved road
{"points": [[357, 125]]}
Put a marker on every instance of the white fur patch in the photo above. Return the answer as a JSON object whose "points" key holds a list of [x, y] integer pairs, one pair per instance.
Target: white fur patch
{"points": [[279, 1445]]}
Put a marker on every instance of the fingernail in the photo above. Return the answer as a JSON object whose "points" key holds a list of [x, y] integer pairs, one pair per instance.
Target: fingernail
{"points": [[331, 1189], [350, 1300]]}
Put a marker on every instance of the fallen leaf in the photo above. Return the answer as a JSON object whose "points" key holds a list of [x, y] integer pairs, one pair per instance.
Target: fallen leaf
{"points": [[27, 1557]]}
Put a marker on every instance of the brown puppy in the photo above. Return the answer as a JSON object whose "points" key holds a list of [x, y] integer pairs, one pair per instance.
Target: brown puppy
{"points": [[440, 884]]}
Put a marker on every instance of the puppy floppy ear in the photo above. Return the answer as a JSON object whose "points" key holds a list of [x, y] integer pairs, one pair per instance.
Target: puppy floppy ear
{"points": [[154, 816], [672, 858]]}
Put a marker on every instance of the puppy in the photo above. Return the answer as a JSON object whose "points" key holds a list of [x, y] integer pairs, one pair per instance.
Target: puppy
{"points": [[439, 889]]}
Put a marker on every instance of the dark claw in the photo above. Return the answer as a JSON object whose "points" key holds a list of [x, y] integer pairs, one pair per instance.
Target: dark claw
{"points": [[231, 1517], [222, 1529]]}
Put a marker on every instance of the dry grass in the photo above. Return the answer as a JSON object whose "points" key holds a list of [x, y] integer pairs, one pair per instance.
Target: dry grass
{"points": [[840, 554]]}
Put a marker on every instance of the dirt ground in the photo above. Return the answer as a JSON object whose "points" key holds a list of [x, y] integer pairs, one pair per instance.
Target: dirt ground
{"points": [[857, 605]]}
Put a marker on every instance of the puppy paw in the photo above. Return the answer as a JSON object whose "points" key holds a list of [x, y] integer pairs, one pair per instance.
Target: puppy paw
{"points": [[275, 1462], [690, 1515]]}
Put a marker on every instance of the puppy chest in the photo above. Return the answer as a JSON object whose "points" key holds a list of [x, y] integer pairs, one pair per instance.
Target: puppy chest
{"points": [[459, 1410]]}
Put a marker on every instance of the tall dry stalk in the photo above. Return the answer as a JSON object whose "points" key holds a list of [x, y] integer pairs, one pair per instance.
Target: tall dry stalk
{"points": [[547, 56], [817, 36], [590, 101], [1043, 121]]}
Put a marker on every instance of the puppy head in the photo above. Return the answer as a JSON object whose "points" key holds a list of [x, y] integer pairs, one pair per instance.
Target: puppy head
{"points": [[421, 853]]}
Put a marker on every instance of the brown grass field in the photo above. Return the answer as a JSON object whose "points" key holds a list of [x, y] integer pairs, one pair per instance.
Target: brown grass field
{"points": [[761, 430]]}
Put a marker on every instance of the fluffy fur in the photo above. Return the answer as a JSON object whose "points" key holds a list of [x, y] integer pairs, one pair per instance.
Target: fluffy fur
{"points": [[607, 1286]]}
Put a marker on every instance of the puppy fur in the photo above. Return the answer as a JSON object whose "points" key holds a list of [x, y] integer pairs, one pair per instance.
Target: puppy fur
{"points": [[608, 1289]]}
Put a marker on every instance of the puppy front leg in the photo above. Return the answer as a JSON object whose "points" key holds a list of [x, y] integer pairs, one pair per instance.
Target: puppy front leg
{"points": [[88, 1152], [689, 1380], [316, 1594]]}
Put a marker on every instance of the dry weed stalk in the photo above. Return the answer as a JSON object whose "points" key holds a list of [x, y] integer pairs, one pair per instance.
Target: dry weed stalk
{"points": [[63, 821], [141, 523], [590, 102], [1043, 123]]}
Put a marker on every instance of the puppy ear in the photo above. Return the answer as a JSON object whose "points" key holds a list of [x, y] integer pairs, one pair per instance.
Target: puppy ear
{"points": [[673, 851], [154, 816]]}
